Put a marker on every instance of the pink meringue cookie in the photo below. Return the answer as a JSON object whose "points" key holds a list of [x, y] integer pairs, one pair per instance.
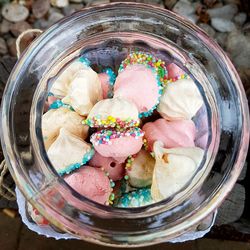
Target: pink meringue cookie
{"points": [[138, 84], [114, 168], [174, 71], [107, 79], [173, 134], [91, 183], [104, 79], [112, 143]]}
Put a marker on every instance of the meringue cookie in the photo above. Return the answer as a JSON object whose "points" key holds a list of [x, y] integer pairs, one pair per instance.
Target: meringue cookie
{"points": [[173, 169], [115, 112], [174, 71], [137, 82], [69, 152], [180, 100], [84, 91], [113, 167], [60, 86], [180, 133], [138, 198], [107, 79], [117, 144], [141, 170], [141, 79], [91, 183], [55, 119]]}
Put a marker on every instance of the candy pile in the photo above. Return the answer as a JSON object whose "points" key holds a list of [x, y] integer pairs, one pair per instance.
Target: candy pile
{"points": [[128, 140]]}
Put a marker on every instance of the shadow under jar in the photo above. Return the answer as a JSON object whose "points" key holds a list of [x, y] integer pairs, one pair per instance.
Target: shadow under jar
{"points": [[116, 29]]}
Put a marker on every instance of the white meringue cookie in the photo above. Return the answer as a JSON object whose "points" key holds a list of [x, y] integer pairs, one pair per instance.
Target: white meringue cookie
{"points": [[180, 100], [84, 91], [55, 119], [173, 169], [141, 172], [61, 85], [116, 108], [68, 152]]}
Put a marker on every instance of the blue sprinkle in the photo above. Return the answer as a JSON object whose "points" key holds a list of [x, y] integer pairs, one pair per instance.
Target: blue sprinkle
{"points": [[58, 104], [75, 166], [84, 61]]}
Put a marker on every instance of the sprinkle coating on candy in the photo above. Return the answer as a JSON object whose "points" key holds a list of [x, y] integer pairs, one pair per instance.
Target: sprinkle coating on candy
{"points": [[105, 136], [112, 78], [183, 76], [87, 157], [138, 198], [156, 65], [58, 104], [85, 61], [110, 121], [129, 162], [111, 74]]}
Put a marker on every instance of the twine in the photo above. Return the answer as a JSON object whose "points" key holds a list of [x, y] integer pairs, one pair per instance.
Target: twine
{"points": [[21, 36], [5, 191]]}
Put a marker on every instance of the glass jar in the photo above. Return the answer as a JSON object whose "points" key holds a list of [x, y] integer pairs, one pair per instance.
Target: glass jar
{"points": [[181, 42]]}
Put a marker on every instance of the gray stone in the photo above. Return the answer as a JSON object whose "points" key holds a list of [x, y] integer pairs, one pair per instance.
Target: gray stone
{"points": [[70, 9], [3, 47], [208, 29], [193, 18], [40, 8], [226, 12], [238, 46], [11, 43], [240, 18], [15, 12], [184, 8], [5, 26], [17, 28], [221, 39], [59, 3], [54, 17], [222, 25], [169, 4], [41, 24]]}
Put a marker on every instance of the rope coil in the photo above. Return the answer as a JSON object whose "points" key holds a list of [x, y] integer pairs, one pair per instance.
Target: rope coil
{"points": [[5, 191]]}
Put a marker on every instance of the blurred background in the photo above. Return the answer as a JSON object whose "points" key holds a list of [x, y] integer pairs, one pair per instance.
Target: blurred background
{"points": [[227, 21]]}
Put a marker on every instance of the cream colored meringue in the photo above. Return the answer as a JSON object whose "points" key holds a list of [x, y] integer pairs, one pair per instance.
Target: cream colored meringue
{"points": [[66, 151], [173, 169], [180, 100], [55, 119], [116, 108], [61, 85], [141, 171], [84, 91]]}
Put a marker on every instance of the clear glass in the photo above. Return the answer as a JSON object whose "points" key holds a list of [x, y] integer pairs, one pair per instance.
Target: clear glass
{"points": [[181, 42]]}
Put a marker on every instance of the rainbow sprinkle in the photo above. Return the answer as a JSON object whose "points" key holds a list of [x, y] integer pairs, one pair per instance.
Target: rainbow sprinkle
{"points": [[151, 62], [58, 104], [138, 198], [110, 121], [183, 76], [105, 136], [145, 144], [129, 162]]}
